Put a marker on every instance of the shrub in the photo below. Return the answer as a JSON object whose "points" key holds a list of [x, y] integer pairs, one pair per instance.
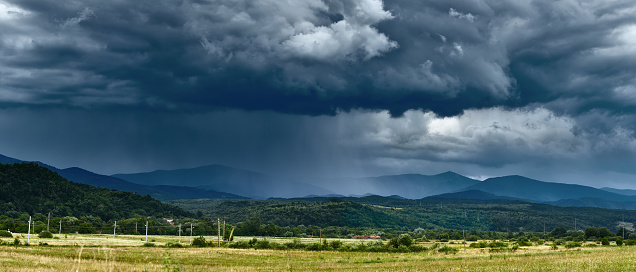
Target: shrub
{"points": [[402, 240], [177, 245], [472, 238], [149, 244], [4, 233], [199, 242], [335, 244], [314, 247], [45, 234], [417, 248], [569, 245], [480, 244], [630, 242], [241, 244], [296, 244], [524, 242], [619, 242], [495, 244], [447, 249], [605, 242], [262, 244]]}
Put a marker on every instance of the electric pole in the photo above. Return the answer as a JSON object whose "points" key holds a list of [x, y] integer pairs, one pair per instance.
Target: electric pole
{"points": [[114, 229], [48, 220], [146, 231], [29, 232], [218, 233]]}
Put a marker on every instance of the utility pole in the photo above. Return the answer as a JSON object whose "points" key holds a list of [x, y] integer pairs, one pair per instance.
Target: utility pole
{"points": [[114, 229], [623, 226], [29, 232], [218, 232], [223, 230], [190, 233], [60, 228], [574, 224], [146, 231], [136, 228], [179, 233], [48, 220]]}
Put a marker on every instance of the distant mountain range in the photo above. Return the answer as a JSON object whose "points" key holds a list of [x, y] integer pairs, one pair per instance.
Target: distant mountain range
{"points": [[227, 179], [159, 192], [218, 181]]}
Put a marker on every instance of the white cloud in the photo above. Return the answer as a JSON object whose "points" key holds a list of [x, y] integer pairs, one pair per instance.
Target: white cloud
{"points": [[453, 13], [279, 30], [83, 15]]}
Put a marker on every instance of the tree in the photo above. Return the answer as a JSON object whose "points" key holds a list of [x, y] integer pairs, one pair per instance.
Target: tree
{"points": [[591, 232], [559, 232]]}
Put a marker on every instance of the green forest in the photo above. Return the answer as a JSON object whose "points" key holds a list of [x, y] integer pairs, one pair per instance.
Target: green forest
{"points": [[30, 188]]}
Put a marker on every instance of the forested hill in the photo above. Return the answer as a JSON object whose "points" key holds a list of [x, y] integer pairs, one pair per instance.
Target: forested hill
{"points": [[31, 188]]}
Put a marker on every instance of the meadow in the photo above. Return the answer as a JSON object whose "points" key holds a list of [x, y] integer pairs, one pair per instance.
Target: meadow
{"points": [[127, 253]]}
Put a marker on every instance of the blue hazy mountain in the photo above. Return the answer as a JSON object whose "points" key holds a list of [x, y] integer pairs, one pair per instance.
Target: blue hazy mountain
{"points": [[541, 191], [228, 179], [626, 192], [414, 186]]}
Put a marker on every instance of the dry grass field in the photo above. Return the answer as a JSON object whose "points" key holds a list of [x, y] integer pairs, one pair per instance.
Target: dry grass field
{"points": [[127, 253]]}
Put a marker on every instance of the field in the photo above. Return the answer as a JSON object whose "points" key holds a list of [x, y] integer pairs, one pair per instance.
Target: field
{"points": [[127, 253]]}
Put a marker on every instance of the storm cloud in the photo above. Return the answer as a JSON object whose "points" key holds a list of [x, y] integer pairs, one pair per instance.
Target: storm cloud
{"points": [[355, 87]]}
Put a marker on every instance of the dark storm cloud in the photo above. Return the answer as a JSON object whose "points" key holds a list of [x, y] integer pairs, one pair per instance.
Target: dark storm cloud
{"points": [[356, 87], [316, 57]]}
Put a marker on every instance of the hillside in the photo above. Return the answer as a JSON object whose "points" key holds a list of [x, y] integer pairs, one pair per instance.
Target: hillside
{"points": [[429, 213], [534, 190], [162, 193], [226, 179], [31, 188]]}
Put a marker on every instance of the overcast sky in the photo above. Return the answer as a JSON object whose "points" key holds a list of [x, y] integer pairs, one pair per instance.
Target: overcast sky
{"points": [[544, 89]]}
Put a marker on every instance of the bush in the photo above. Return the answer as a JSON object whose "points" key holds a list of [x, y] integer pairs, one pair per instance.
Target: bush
{"points": [[296, 244], [619, 242], [177, 245], [472, 238], [262, 244], [149, 244], [480, 244], [447, 249], [335, 244], [4, 233], [314, 247], [630, 242], [241, 244], [402, 240], [45, 234], [569, 245], [524, 242], [605, 242], [199, 241]]}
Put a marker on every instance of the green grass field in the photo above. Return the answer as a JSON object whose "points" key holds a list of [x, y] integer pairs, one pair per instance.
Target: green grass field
{"points": [[127, 253]]}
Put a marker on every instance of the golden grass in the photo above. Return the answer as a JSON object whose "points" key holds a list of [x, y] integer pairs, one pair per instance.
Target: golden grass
{"points": [[125, 253]]}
